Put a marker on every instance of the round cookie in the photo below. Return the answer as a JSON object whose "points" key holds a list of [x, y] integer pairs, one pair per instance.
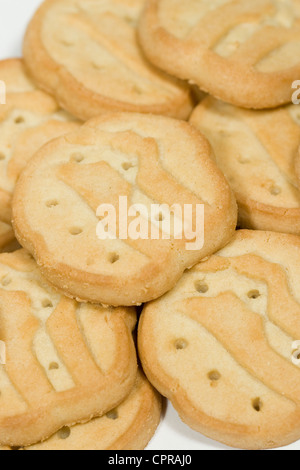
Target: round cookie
{"points": [[65, 362], [256, 151], [86, 54], [221, 346], [147, 160], [28, 120], [245, 52], [128, 427]]}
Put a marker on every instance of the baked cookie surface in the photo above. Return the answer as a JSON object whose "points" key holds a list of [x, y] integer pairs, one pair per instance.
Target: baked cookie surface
{"points": [[256, 151], [86, 54], [220, 345], [65, 362], [128, 427], [245, 52], [28, 120], [147, 160]]}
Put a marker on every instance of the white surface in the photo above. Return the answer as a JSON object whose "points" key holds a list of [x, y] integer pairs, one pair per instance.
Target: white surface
{"points": [[172, 433]]}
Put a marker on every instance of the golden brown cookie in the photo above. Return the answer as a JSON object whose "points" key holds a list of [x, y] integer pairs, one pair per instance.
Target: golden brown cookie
{"points": [[147, 160], [28, 120], [245, 52], [65, 362], [130, 426], [220, 345], [256, 151], [86, 54]]}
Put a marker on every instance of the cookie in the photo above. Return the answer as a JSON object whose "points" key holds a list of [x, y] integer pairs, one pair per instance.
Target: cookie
{"points": [[147, 160], [244, 52], [220, 345], [86, 54], [65, 362], [28, 120], [256, 151], [128, 427]]}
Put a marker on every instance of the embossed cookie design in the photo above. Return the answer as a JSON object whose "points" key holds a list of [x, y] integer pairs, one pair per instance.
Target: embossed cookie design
{"points": [[86, 54], [244, 52], [28, 120], [256, 150], [220, 344], [65, 362], [147, 160]]}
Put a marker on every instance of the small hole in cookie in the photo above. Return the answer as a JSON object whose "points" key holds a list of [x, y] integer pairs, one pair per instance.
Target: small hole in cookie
{"points": [[77, 157], [2, 156], [257, 404], [254, 294], [75, 231], [97, 66], [214, 376], [130, 21], [52, 203], [67, 42], [275, 191], [47, 303], [113, 258], [137, 90], [90, 261], [6, 281], [224, 133], [113, 415], [19, 120], [15, 448], [243, 160], [181, 344], [201, 287], [64, 433], [127, 165], [53, 366]]}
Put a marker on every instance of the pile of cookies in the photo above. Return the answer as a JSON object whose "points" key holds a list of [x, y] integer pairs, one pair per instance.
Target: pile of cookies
{"points": [[110, 102]]}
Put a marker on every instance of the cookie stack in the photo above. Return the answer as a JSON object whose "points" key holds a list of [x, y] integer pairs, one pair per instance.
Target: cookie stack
{"points": [[96, 117]]}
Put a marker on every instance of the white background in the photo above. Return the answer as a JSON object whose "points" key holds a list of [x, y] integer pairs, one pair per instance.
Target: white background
{"points": [[172, 433]]}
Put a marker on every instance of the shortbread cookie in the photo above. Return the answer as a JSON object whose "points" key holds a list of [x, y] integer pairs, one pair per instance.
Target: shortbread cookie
{"points": [[128, 427], [65, 362], [86, 54], [256, 151], [145, 160], [28, 120], [220, 345], [245, 52]]}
